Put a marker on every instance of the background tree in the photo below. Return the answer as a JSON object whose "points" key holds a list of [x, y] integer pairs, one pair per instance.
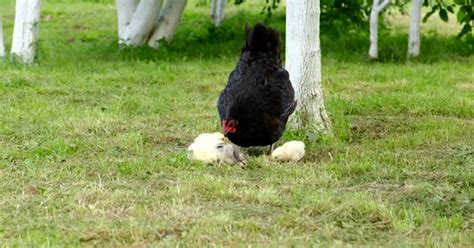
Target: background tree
{"points": [[303, 62], [147, 21], [377, 7], [414, 31], [464, 14], [2, 44], [217, 11], [167, 22], [26, 30]]}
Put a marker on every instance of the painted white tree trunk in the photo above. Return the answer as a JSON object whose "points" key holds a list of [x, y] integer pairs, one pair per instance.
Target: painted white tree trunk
{"points": [[377, 7], [135, 29], [414, 33], [125, 10], [2, 44], [26, 30], [217, 11], [303, 62], [167, 22]]}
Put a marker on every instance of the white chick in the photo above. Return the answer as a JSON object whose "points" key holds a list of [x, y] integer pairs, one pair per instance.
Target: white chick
{"points": [[203, 144], [211, 148], [210, 138], [229, 154], [290, 151], [204, 147]]}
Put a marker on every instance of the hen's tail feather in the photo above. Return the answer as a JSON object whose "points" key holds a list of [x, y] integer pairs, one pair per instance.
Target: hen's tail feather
{"points": [[263, 39]]}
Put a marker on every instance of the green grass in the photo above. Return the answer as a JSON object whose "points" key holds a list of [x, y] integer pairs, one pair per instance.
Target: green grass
{"points": [[93, 140]]}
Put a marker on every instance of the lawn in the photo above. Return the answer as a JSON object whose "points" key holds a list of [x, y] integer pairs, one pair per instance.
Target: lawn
{"points": [[93, 141]]}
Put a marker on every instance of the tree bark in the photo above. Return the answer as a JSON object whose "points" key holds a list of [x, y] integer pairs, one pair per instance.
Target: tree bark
{"points": [[217, 11], [26, 30], [414, 32], [303, 62], [125, 10], [2, 44], [167, 22], [136, 29], [377, 7]]}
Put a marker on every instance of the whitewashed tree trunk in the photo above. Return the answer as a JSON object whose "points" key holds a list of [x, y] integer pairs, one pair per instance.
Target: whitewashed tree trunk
{"points": [[2, 44], [125, 10], [303, 62], [377, 7], [26, 30], [167, 22], [217, 11], [146, 22], [414, 33], [136, 29]]}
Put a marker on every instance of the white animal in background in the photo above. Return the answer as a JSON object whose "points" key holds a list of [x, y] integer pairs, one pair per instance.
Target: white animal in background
{"points": [[290, 151], [211, 148]]}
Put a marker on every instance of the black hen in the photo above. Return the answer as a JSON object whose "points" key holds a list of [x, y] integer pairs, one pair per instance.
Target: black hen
{"points": [[258, 99]]}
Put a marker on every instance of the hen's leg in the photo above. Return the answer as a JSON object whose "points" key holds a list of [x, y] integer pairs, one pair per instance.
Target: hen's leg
{"points": [[272, 148]]}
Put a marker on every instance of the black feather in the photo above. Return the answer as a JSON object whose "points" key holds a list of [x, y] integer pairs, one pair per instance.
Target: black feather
{"points": [[263, 39], [258, 93]]}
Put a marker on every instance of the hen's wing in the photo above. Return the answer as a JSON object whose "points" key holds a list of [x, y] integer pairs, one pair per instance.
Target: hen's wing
{"points": [[280, 93], [286, 114]]}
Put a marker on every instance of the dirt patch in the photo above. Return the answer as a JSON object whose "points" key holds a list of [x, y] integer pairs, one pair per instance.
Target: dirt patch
{"points": [[466, 86], [377, 127], [364, 86]]}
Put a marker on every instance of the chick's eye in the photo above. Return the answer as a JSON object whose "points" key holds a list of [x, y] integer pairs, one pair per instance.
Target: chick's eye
{"points": [[220, 146]]}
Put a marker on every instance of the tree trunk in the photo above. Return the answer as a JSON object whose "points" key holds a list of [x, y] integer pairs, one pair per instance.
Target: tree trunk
{"points": [[377, 7], [414, 33], [303, 62], [2, 44], [134, 29], [167, 22], [26, 30], [217, 11], [125, 10]]}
